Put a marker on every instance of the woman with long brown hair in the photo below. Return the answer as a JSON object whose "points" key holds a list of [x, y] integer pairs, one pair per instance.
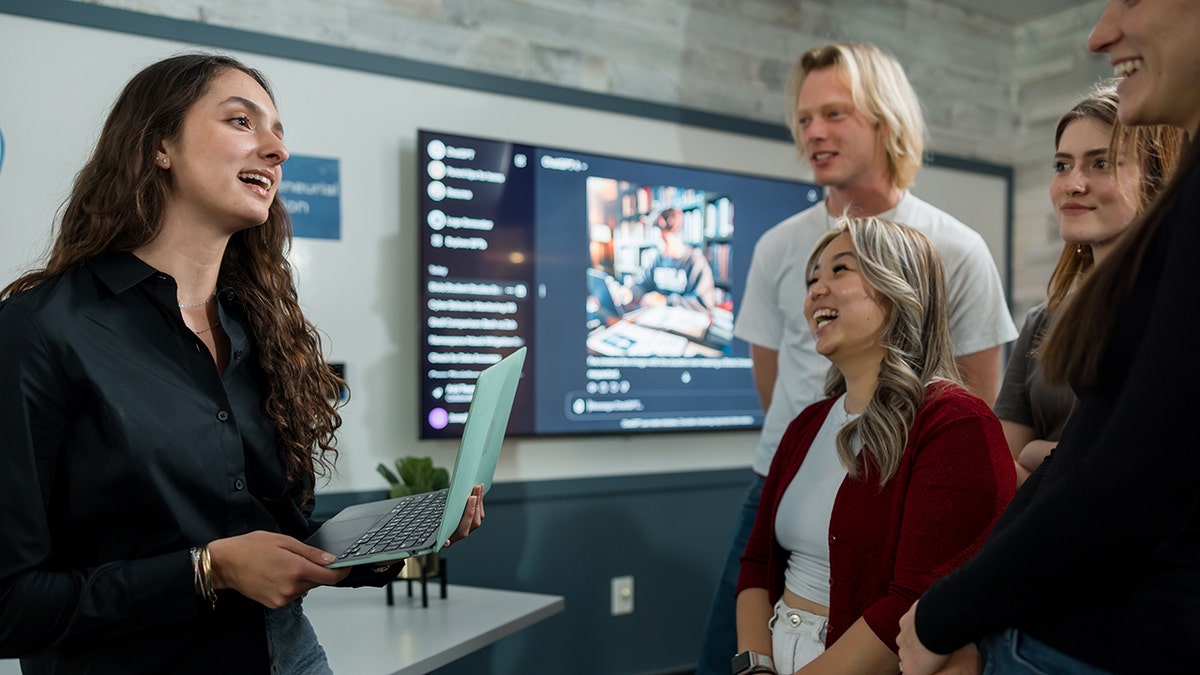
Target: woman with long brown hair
{"points": [[165, 408], [1105, 174]]}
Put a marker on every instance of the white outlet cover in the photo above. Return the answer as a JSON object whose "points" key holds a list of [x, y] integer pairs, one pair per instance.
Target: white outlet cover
{"points": [[622, 595]]}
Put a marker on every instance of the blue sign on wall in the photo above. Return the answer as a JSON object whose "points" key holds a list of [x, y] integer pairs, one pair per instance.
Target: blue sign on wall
{"points": [[312, 192]]}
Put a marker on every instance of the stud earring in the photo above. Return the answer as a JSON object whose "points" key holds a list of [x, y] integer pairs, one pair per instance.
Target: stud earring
{"points": [[163, 160]]}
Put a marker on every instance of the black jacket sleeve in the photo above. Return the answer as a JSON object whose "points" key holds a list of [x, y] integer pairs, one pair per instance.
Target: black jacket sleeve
{"points": [[1118, 505]]}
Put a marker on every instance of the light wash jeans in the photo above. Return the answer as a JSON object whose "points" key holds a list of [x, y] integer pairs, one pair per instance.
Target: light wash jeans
{"points": [[292, 643], [797, 637], [1011, 652], [720, 633]]}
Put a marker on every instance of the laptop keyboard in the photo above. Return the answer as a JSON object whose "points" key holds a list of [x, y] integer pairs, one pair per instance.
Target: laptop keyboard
{"points": [[410, 524]]}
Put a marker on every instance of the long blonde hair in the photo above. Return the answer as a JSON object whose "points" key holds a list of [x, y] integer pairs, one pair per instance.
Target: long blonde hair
{"points": [[881, 92], [902, 266]]}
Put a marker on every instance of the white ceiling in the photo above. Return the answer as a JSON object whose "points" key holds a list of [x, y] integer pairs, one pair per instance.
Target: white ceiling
{"points": [[1014, 11]]}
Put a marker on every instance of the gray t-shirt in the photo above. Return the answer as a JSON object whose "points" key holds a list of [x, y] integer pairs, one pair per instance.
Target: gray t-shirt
{"points": [[1025, 397]]}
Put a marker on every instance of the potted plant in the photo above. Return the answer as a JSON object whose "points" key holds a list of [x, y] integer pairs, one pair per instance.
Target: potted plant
{"points": [[415, 475]]}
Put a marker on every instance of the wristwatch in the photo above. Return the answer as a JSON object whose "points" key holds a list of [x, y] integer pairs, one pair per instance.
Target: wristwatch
{"points": [[749, 662]]}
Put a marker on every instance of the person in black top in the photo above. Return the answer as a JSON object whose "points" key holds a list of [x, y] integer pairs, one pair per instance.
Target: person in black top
{"points": [[165, 408], [1095, 566]]}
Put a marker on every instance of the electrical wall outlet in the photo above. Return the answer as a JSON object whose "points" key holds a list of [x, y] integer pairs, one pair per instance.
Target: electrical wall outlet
{"points": [[622, 595]]}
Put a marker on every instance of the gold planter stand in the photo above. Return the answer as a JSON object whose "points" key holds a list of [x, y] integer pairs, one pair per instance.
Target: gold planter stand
{"points": [[421, 569]]}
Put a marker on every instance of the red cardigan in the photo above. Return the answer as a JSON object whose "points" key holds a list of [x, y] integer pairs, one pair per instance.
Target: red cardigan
{"points": [[887, 545]]}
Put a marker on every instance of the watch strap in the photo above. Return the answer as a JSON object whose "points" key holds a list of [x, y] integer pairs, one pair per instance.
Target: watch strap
{"points": [[751, 663]]}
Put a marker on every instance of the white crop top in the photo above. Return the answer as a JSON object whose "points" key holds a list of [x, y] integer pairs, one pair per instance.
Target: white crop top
{"points": [[802, 522]]}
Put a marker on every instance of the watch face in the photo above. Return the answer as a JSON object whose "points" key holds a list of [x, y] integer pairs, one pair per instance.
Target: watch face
{"points": [[744, 661], [749, 661]]}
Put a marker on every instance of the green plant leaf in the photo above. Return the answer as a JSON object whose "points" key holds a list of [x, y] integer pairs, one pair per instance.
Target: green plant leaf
{"points": [[387, 474], [414, 475], [413, 469], [418, 473], [441, 479]]}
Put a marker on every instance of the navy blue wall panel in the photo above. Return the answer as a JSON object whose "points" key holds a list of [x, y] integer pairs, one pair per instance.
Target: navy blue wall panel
{"points": [[569, 538]]}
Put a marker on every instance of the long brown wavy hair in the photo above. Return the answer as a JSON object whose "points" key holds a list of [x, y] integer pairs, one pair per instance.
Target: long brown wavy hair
{"points": [[1154, 150], [903, 267], [1079, 337], [117, 205]]}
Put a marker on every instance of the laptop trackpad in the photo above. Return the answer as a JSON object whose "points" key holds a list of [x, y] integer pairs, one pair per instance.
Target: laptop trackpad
{"points": [[336, 535]]}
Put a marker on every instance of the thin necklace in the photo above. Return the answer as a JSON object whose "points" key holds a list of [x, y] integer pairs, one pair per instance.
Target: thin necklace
{"points": [[205, 330], [184, 305]]}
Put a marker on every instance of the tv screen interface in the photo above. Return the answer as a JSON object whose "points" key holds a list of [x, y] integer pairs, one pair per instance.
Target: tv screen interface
{"points": [[621, 276]]}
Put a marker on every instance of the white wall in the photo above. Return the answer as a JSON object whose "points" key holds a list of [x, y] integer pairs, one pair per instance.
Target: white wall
{"points": [[361, 290], [990, 90]]}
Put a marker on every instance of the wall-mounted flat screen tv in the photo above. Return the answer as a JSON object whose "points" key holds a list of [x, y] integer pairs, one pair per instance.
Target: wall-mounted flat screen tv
{"points": [[621, 276]]}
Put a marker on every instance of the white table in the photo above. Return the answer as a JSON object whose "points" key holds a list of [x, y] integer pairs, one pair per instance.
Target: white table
{"points": [[362, 635]]}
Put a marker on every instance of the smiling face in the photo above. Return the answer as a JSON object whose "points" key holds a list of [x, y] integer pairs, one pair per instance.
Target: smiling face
{"points": [[841, 144], [1094, 197], [846, 316], [1154, 47], [225, 161]]}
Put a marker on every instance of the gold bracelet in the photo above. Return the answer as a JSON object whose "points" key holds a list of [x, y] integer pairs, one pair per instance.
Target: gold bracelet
{"points": [[206, 581]]}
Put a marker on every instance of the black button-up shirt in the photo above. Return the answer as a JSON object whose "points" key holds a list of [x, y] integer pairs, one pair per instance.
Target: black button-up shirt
{"points": [[121, 447]]}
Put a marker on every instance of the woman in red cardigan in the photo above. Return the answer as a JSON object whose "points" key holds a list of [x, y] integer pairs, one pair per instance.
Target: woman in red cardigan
{"points": [[883, 487]]}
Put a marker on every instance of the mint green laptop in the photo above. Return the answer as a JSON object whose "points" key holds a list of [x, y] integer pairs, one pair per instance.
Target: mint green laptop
{"points": [[393, 529]]}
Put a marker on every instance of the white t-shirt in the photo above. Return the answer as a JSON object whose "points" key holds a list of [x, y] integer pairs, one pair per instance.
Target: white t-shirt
{"points": [[806, 508], [772, 309]]}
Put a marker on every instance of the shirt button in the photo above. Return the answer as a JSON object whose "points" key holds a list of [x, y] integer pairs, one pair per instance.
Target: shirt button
{"points": [[237, 355], [239, 484], [223, 416]]}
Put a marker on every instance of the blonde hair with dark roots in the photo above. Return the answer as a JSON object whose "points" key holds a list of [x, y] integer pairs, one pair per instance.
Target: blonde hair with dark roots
{"points": [[117, 204], [881, 92], [903, 269], [1154, 150]]}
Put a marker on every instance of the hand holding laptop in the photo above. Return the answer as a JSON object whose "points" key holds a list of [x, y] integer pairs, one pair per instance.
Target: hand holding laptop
{"points": [[472, 516], [269, 568], [382, 532], [274, 569]]}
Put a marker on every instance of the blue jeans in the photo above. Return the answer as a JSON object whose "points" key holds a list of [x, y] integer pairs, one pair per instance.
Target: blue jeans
{"points": [[1011, 652], [292, 643], [720, 633]]}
